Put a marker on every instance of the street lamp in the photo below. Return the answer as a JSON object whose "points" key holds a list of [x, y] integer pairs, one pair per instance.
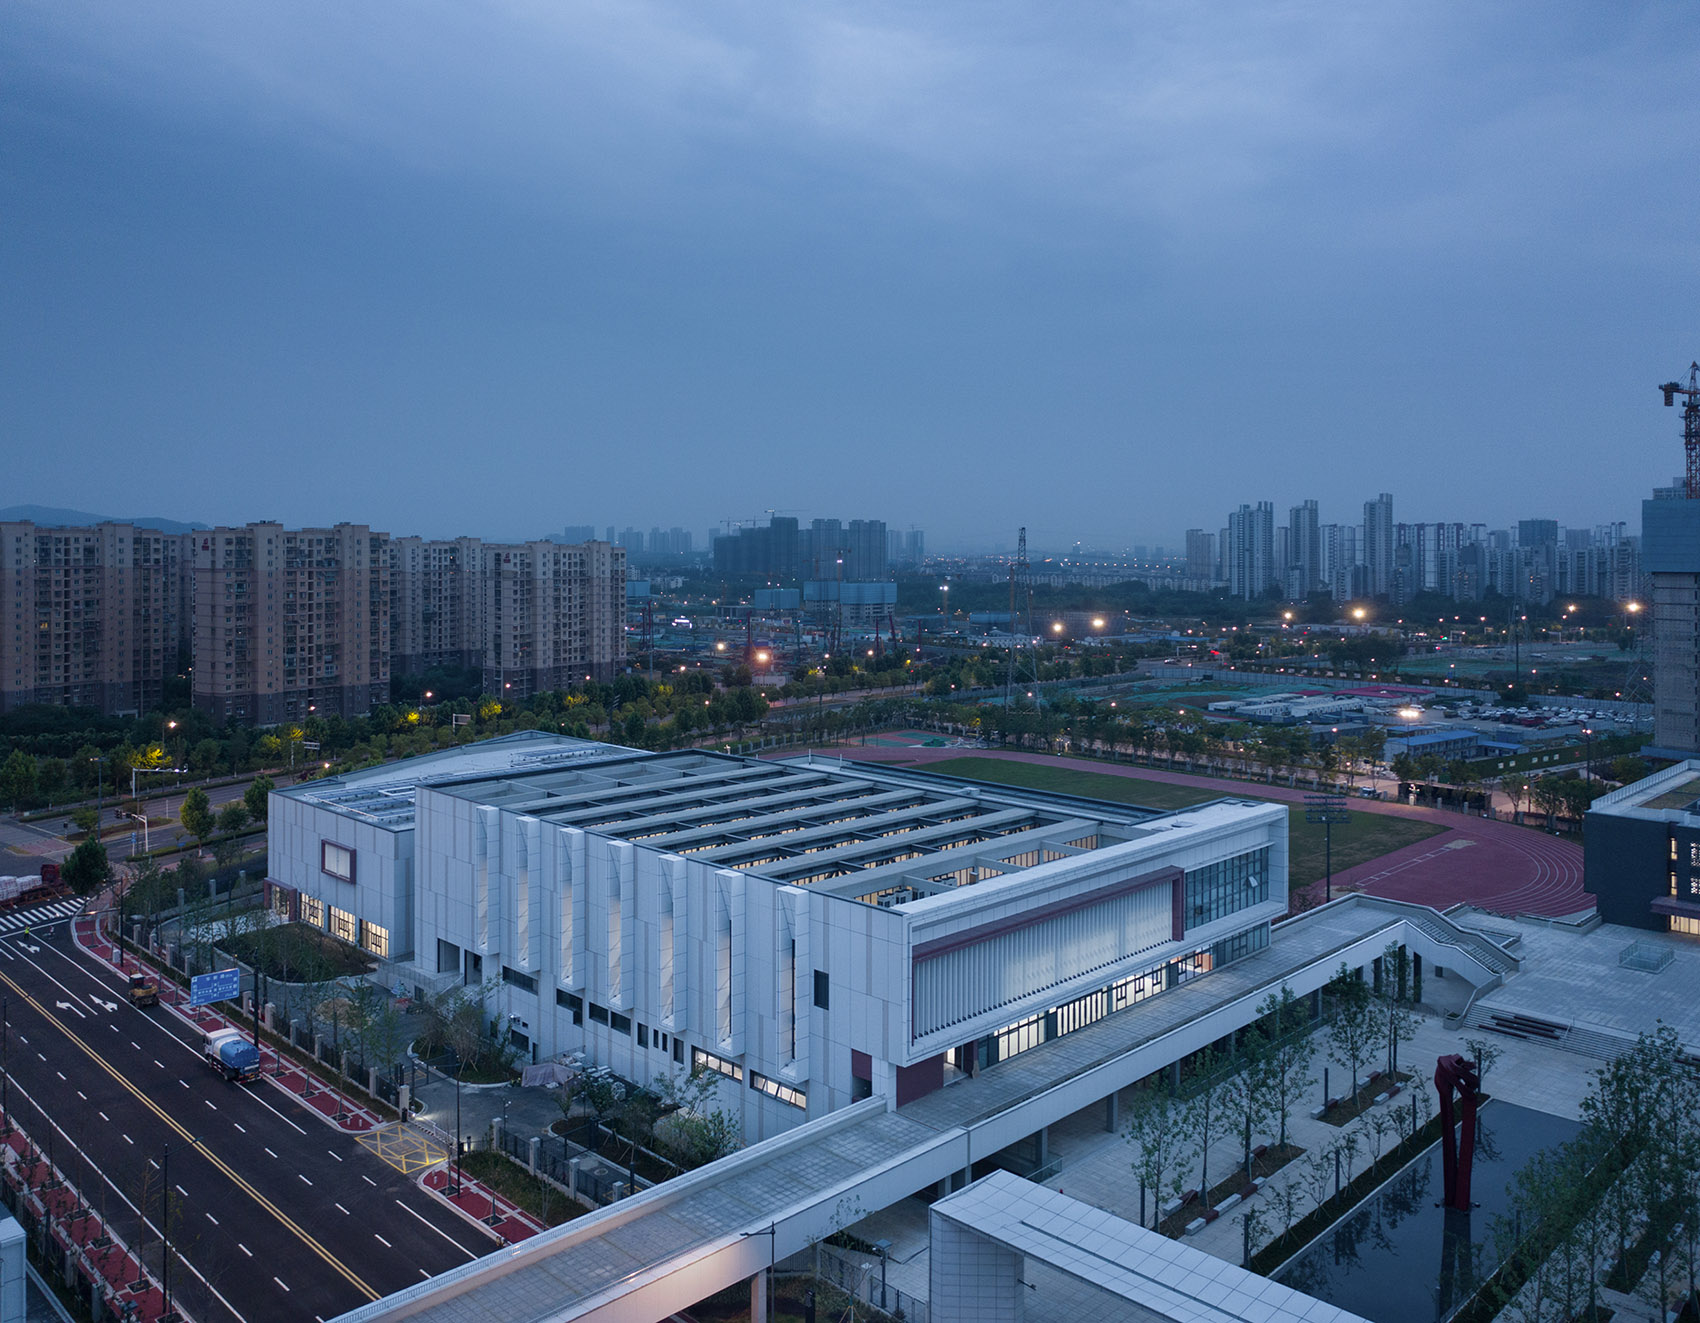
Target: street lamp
{"points": [[143, 819]]}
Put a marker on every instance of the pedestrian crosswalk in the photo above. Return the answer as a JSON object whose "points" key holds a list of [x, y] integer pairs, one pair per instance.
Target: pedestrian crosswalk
{"points": [[39, 916]]}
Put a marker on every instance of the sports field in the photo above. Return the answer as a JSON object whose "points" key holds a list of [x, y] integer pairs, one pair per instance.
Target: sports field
{"points": [[1367, 836]]}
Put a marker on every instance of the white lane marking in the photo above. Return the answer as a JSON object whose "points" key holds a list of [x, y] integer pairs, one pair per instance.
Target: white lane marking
{"points": [[159, 1063], [128, 1140], [369, 1180], [334, 1154], [182, 1191], [240, 1126], [303, 1178], [212, 1219], [339, 1208], [210, 1103], [60, 1074], [270, 1154], [445, 1235], [245, 1249], [104, 1117], [281, 1282], [135, 1044], [386, 1244]]}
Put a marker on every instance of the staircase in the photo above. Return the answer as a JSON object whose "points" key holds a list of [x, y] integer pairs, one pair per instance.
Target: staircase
{"points": [[1601, 1044]]}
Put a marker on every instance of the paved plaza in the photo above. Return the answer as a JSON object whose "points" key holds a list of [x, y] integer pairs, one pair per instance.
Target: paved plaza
{"points": [[1095, 1166]]}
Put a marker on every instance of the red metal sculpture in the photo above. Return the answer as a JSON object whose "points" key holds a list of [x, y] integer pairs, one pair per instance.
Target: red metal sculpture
{"points": [[1456, 1073]]}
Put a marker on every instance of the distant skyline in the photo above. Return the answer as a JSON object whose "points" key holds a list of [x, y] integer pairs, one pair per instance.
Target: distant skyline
{"points": [[1107, 271]]}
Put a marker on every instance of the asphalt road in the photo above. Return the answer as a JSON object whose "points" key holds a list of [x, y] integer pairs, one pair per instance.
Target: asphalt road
{"points": [[274, 1215]]}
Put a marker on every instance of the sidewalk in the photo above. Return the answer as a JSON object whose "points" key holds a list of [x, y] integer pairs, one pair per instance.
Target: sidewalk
{"points": [[76, 1231], [332, 1106]]}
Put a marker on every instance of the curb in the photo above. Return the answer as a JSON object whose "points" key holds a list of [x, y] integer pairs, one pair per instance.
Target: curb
{"points": [[368, 1121]]}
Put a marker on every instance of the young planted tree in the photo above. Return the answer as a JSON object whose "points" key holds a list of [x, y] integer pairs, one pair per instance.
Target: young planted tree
{"points": [[1157, 1131], [1483, 1054], [1211, 1111], [1395, 1016], [1285, 1046], [1353, 1030]]}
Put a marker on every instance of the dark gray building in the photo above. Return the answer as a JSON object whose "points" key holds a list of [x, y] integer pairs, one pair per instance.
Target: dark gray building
{"points": [[1642, 859]]}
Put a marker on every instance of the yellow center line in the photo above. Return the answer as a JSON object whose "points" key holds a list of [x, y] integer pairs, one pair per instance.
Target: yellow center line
{"points": [[210, 1156]]}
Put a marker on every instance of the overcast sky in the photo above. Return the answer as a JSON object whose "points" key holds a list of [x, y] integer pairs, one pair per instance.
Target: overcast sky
{"points": [[1105, 270]]}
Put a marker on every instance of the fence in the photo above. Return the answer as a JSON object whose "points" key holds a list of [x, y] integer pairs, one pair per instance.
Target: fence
{"points": [[592, 1181], [859, 1275]]}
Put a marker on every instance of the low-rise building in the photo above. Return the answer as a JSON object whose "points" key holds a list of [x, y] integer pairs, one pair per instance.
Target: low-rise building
{"points": [[813, 933]]}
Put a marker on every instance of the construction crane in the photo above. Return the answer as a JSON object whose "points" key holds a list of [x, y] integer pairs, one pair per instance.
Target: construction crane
{"points": [[1690, 424]]}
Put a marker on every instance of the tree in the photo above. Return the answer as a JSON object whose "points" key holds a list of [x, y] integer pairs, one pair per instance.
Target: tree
{"points": [[196, 814], [1211, 1111], [1394, 1016], [232, 818], [86, 820], [1352, 1033], [1155, 1130], [254, 797], [1284, 1044], [88, 868], [1483, 1054], [695, 1129], [17, 779]]}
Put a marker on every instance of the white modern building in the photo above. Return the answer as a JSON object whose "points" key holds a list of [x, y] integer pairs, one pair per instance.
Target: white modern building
{"points": [[815, 933]]}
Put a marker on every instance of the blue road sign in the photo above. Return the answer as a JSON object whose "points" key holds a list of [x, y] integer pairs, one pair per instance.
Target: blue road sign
{"points": [[220, 985]]}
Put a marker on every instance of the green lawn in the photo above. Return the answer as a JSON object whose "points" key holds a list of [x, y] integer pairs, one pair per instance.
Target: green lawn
{"points": [[1367, 836], [1068, 781]]}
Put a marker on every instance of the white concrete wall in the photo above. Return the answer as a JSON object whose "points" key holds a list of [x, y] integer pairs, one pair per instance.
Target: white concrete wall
{"points": [[382, 892]]}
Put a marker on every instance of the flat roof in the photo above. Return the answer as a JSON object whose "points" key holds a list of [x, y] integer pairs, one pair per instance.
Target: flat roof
{"points": [[1665, 795], [1119, 1263], [863, 832]]}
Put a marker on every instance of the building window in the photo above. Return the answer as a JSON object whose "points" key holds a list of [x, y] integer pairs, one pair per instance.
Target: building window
{"points": [[313, 911], [774, 1089], [337, 860], [280, 902], [701, 1060], [678, 1051], [643, 1035], [375, 939], [823, 990], [572, 1003], [514, 978], [1220, 889], [620, 1024], [344, 926], [1678, 924], [598, 1013]]}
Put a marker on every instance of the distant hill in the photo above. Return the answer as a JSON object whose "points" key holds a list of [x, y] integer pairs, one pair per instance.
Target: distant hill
{"points": [[50, 516]]}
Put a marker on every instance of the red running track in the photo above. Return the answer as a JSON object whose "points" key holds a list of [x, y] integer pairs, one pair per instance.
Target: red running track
{"points": [[1496, 865]]}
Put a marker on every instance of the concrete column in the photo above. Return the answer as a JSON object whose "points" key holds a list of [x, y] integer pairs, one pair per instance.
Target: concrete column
{"points": [[572, 1176], [758, 1298], [317, 1044], [1042, 1146], [404, 1101], [372, 1080], [1113, 1112], [268, 1013], [533, 1150]]}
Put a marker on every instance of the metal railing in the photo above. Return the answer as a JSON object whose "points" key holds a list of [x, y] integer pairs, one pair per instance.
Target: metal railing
{"points": [[858, 1275]]}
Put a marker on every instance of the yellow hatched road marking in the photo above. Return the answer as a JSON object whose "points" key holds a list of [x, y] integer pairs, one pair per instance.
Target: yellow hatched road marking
{"points": [[403, 1148], [189, 1139]]}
